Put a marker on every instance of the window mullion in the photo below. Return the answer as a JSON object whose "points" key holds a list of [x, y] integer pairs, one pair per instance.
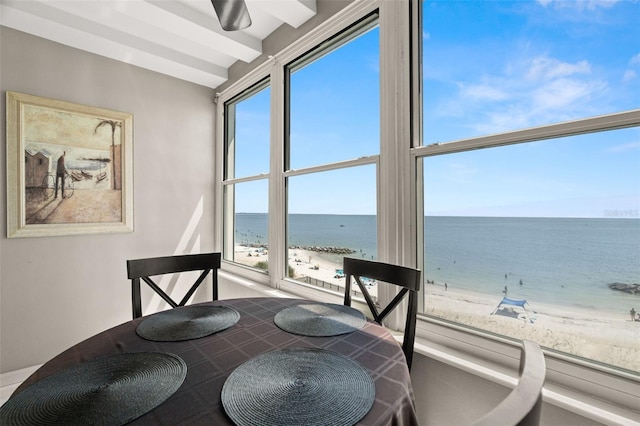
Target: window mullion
{"points": [[396, 235], [219, 175], [613, 121], [277, 190], [395, 213]]}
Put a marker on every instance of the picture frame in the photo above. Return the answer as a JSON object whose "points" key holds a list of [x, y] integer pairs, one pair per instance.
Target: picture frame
{"points": [[69, 168]]}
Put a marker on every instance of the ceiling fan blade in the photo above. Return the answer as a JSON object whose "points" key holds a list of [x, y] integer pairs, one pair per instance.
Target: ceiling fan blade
{"points": [[233, 14]]}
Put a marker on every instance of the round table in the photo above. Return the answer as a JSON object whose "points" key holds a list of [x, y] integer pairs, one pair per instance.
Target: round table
{"points": [[210, 360]]}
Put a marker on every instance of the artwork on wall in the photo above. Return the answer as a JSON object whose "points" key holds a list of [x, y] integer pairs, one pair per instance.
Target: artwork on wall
{"points": [[69, 168]]}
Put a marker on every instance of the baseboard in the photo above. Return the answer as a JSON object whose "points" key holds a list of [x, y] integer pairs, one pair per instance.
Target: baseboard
{"points": [[10, 381]]}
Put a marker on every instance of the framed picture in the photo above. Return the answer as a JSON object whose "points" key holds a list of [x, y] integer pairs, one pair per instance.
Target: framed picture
{"points": [[69, 168]]}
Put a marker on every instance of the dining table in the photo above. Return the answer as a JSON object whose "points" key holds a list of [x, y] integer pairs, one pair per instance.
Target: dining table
{"points": [[212, 361]]}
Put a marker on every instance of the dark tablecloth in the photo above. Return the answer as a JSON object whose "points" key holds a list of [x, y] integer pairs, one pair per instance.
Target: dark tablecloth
{"points": [[211, 359]]}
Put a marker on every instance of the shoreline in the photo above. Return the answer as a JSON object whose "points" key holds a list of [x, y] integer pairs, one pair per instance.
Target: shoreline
{"points": [[610, 339], [602, 336]]}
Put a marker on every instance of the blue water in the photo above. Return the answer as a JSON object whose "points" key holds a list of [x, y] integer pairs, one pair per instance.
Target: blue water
{"points": [[357, 232], [559, 260]]}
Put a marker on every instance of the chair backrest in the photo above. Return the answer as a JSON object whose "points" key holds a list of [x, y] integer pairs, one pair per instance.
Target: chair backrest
{"points": [[144, 269], [408, 279], [523, 404]]}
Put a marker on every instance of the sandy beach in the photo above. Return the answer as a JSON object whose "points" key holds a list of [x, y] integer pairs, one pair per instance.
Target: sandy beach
{"points": [[305, 263], [594, 334]]}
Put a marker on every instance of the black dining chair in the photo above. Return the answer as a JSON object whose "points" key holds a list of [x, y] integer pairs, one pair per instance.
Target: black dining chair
{"points": [[523, 405], [144, 269], [408, 279]]}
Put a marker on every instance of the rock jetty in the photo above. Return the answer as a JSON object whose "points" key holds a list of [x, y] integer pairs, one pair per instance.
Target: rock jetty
{"points": [[626, 288], [330, 249], [320, 249]]}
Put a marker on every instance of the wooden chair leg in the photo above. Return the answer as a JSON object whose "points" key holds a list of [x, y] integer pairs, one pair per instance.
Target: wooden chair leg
{"points": [[214, 281], [136, 301]]}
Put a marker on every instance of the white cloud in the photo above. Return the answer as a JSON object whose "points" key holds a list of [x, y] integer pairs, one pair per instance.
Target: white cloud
{"points": [[499, 121], [629, 75], [631, 146], [560, 93], [635, 59], [482, 92], [528, 91], [546, 90], [579, 4], [544, 67]]}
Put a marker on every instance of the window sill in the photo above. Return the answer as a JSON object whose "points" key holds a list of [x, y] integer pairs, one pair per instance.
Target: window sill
{"points": [[597, 393]]}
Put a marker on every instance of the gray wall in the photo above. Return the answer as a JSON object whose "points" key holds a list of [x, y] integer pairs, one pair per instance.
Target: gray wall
{"points": [[57, 291]]}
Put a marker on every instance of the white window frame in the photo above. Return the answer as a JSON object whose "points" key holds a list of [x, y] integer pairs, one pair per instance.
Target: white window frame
{"points": [[597, 392], [393, 89], [308, 290], [229, 162]]}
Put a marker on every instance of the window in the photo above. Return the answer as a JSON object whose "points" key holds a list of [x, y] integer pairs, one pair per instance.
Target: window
{"points": [[332, 148], [539, 200], [498, 144], [334, 99], [246, 192], [331, 214], [511, 65], [526, 105]]}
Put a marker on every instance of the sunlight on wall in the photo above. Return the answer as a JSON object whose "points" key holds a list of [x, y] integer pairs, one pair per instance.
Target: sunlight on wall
{"points": [[190, 243]]}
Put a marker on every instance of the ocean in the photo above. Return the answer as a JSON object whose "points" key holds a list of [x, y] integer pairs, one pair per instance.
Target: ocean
{"points": [[560, 261]]}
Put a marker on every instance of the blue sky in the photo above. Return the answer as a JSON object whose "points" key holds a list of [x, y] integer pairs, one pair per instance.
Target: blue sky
{"points": [[488, 67]]}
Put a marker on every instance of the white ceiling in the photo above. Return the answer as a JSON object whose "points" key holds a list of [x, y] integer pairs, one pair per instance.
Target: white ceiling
{"points": [[180, 38]]}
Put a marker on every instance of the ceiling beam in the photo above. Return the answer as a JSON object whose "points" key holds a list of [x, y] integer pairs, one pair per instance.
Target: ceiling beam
{"points": [[294, 13], [116, 18], [194, 25], [180, 38], [175, 64]]}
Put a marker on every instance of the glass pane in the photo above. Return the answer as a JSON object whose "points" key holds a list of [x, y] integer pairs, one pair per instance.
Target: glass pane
{"points": [[331, 214], [246, 231], [248, 135], [553, 223], [507, 65], [335, 105]]}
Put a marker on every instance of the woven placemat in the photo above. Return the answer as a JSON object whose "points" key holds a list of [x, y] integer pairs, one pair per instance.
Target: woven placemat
{"points": [[187, 322], [320, 319], [298, 386], [107, 391]]}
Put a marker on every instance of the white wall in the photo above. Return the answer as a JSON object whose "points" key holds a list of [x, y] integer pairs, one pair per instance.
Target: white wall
{"points": [[57, 291]]}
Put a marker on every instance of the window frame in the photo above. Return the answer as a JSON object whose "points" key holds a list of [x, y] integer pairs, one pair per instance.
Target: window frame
{"points": [[228, 184], [308, 290], [360, 21], [249, 83], [591, 381], [335, 29], [594, 391]]}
